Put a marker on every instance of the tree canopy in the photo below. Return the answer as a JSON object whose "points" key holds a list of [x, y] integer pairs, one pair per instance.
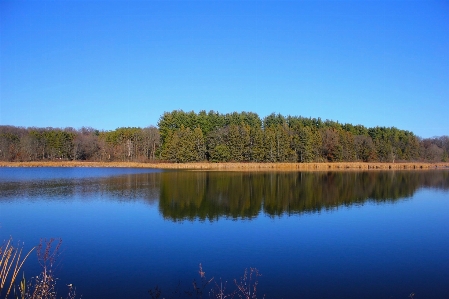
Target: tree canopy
{"points": [[233, 137]]}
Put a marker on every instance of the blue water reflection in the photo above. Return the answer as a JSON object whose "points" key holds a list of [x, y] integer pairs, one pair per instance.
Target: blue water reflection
{"points": [[52, 173], [118, 243]]}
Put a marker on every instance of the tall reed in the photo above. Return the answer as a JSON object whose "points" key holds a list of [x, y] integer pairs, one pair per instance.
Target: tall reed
{"points": [[42, 286], [10, 260]]}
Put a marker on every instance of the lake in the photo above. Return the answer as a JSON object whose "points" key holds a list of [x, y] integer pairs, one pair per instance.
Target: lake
{"points": [[310, 234]]}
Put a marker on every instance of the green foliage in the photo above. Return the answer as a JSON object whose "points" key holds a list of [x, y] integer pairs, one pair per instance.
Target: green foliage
{"points": [[364, 149], [444, 157], [184, 145], [232, 137], [243, 137], [9, 145], [256, 144], [59, 144], [220, 153], [307, 143], [278, 144], [274, 120]]}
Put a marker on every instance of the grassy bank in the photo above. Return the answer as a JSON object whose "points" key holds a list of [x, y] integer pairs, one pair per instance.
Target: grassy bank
{"points": [[238, 166]]}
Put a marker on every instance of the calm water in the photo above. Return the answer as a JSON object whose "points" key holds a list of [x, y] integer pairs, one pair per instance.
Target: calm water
{"points": [[311, 235]]}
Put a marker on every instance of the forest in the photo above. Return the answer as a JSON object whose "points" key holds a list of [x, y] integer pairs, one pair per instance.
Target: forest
{"points": [[182, 137]]}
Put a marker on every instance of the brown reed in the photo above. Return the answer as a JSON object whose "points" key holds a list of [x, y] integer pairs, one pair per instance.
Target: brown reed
{"points": [[10, 259], [245, 288], [334, 166]]}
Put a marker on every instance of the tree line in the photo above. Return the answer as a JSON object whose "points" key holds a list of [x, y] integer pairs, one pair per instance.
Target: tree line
{"points": [[245, 137], [40, 144], [214, 137]]}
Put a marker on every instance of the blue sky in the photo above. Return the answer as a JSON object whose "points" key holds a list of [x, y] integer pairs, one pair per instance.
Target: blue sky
{"points": [[109, 64]]}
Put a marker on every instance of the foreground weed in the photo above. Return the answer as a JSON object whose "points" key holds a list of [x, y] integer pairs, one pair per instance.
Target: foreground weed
{"points": [[10, 260], [42, 286], [245, 288]]}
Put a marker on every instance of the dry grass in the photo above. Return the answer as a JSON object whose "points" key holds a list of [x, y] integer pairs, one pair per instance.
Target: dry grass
{"points": [[10, 260], [240, 166], [245, 288], [43, 286]]}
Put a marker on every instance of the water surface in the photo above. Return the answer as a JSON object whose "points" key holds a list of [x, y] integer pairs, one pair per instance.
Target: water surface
{"points": [[311, 235]]}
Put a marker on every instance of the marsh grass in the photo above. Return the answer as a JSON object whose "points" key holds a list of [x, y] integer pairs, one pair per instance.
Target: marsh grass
{"points": [[10, 265], [42, 286], [229, 166], [245, 287]]}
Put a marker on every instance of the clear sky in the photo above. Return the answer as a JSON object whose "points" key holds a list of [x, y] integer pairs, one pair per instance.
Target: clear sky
{"points": [[109, 64]]}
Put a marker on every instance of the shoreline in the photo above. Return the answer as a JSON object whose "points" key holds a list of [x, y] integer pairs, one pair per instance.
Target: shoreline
{"points": [[336, 166]]}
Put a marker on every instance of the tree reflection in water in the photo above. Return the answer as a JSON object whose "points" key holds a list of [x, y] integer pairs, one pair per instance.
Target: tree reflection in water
{"points": [[210, 195], [191, 195]]}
